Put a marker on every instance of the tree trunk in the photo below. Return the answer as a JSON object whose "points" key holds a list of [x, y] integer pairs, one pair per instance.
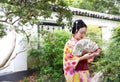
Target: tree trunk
{"points": [[11, 49]]}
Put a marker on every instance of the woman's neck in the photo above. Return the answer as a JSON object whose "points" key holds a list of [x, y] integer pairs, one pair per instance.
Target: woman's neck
{"points": [[75, 37]]}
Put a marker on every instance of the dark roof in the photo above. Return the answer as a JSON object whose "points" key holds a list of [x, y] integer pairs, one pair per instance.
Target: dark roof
{"points": [[82, 12], [50, 24], [88, 13]]}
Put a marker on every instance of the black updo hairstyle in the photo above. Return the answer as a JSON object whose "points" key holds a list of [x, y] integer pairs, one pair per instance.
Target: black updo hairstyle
{"points": [[77, 25]]}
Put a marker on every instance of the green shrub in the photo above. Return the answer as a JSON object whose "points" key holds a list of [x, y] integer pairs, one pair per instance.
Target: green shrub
{"points": [[95, 35], [49, 57], [2, 30], [111, 60]]}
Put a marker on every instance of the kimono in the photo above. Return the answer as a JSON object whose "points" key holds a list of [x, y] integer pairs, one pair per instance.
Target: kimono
{"points": [[74, 69]]}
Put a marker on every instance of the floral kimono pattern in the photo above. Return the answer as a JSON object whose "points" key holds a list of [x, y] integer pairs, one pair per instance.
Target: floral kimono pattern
{"points": [[70, 62]]}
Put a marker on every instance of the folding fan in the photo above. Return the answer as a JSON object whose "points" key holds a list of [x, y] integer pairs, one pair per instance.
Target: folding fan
{"points": [[84, 45]]}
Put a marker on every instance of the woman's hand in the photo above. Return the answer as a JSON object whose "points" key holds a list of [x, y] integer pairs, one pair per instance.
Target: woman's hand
{"points": [[86, 56], [92, 55], [96, 53]]}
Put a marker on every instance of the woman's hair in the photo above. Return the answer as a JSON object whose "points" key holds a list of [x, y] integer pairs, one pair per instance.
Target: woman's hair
{"points": [[77, 25]]}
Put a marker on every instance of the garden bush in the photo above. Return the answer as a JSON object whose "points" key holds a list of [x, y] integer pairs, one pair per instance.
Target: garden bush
{"points": [[49, 56], [110, 62]]}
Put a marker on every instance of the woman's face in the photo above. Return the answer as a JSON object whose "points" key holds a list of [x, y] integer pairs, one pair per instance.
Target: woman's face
{"points": [[80, 34]]}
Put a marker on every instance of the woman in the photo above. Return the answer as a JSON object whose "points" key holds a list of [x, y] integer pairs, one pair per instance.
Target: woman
{"points": [[76, 68]]}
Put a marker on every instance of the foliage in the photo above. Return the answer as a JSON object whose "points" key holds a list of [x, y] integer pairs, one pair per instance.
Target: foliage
{"points": [[104, 6], [110, 61], [116, 36], [2, 30], [21, 12], [73, 3], [95, 35], [51, 65]]}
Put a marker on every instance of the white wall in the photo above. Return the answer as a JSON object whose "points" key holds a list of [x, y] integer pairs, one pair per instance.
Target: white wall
{"points": [[19, 63]]}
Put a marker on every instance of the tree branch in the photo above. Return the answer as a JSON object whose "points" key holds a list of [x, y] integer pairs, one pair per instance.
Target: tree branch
{"points": [[16, 20], [1, 68]]}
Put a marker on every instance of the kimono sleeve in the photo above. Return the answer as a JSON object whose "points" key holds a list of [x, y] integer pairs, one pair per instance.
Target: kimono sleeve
{"points": [[69, 59]]}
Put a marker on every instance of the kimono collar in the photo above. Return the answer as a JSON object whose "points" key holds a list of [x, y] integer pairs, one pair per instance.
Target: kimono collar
{"points": [[74, 39]]}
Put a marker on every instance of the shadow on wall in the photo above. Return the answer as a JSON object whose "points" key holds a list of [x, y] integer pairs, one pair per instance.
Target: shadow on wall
{"points": [[17, 76]]}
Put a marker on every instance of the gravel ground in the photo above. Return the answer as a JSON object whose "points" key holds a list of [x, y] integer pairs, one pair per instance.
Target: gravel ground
{"points": [[31, 78]]}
